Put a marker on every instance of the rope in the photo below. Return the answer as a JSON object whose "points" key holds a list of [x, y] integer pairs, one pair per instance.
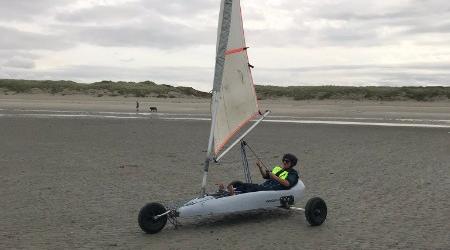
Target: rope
{"points": [[246, 169], [173, 220], [254, 154]]}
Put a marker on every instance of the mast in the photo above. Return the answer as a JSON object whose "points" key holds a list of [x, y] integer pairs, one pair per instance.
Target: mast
{"points": [[222, 43]]}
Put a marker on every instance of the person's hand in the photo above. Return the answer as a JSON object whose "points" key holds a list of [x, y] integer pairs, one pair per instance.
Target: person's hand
{"points": [[269, 174]]}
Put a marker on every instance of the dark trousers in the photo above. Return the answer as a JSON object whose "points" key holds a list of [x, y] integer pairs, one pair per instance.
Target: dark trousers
{"points": [[246, 187], [250, 187]]}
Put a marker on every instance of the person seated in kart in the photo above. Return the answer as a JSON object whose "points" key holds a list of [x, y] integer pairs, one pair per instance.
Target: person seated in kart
{"points": [[280, 178]]}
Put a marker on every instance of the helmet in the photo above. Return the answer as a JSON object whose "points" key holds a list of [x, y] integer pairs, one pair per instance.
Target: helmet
{"points": [[291, 158]]}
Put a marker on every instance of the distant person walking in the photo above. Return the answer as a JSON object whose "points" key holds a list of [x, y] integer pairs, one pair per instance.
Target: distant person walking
{"points": [[137, 106]]}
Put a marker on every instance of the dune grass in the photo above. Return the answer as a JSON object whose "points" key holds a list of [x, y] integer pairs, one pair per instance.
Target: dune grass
{"points": [[135, 89], [149, 88], [355, 93]]}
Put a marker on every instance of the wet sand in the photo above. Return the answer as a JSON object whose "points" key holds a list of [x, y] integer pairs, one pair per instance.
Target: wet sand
{"points": [[312, 108], [80, 182]]}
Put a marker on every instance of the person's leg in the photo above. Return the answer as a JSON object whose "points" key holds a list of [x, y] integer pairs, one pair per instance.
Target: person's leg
{"points": [[234, 185], [230, 189], [250, 187]]}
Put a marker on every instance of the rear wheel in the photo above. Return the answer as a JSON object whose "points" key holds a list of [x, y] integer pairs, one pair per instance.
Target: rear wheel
{"points": [[316, 211], [147, 220]]}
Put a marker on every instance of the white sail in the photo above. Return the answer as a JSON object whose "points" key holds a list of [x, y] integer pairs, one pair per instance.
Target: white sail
{"points": [[234, 91]]}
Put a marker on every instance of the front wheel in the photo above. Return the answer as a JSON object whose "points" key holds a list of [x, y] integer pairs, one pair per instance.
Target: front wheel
{"points": [[147, 220], [316, 211]]}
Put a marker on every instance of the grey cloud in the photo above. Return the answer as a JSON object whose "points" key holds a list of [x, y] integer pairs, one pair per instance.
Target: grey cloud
{"points": [[348, 16], [160, 24], [429, 28], [25, 10], [350, 35], [174, 9], [15, 39], [363, 23], [103, 14], [281, 38], [166, 37], [181, 8], [362, 12], [151, 22], [132, 25], [17, 58], [19, 62], [147, 23], [6, 54]]}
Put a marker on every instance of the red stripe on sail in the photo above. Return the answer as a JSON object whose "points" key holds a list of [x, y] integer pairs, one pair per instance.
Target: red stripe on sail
{"points": [[233, 51]]}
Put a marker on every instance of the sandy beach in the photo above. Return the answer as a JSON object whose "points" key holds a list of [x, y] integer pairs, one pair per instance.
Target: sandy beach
{"points": [[310, 108], [79, 180]]}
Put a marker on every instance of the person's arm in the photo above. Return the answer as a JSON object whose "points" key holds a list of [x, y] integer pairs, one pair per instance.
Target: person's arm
{"points": [[292, 178], [263, 173], [281, 181]]}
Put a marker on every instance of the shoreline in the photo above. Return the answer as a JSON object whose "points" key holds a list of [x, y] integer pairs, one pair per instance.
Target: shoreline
{"points": [[306, 108]]}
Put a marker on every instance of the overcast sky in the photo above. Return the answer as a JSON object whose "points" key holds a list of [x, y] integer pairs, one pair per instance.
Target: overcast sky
{"points": [[292, 42]]}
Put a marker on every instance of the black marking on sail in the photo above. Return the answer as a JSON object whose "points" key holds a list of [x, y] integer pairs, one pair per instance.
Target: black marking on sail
{"points": [[242, 76]]}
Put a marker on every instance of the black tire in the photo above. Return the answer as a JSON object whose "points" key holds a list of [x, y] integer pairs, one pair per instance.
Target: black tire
{"points": [[316, 211], [146, 218]]}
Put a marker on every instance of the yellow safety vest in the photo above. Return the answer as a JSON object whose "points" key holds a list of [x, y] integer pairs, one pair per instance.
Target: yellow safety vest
{"points": [[280, 172]]}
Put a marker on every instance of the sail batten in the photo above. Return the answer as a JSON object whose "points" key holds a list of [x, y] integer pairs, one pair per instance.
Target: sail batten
{"points": [[234, 99]]}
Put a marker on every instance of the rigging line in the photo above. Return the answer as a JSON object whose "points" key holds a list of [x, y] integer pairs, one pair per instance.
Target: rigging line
{"points": [[247, 174], [254, 153]]}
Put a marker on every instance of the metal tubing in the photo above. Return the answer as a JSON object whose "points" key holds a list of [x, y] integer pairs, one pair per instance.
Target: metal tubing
{"points": [[242, 136], [210, 144], [222, 43], [161, 215], [297, 208]]}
